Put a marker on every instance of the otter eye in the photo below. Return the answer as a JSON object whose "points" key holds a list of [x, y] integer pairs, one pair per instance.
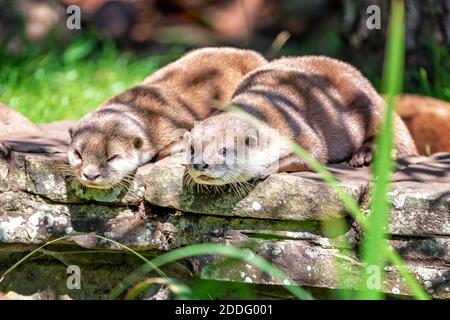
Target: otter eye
{"points": [[250, 140], [114, 157], [77, 154]]}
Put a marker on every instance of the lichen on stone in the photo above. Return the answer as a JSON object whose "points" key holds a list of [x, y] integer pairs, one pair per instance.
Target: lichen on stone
{"points": [[100, 195]]}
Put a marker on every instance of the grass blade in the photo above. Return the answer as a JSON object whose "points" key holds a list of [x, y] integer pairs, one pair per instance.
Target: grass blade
{"points": [[244, 255], [374, 240], [159, 271]]}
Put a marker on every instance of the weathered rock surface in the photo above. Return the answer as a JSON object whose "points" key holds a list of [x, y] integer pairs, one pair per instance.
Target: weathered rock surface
{"points": [[280, 219]]}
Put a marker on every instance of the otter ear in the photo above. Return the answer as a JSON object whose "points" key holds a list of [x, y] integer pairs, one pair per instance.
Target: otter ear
{"points": [[292, 163], [138, 142], [251, 141]]}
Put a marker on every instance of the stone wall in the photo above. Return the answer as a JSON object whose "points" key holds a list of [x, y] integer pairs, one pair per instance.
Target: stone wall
{"points": [[280, 218]]}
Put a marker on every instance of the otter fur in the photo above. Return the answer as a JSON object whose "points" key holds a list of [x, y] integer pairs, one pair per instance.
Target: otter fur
{"points": [[142, 123], [322, 104]]}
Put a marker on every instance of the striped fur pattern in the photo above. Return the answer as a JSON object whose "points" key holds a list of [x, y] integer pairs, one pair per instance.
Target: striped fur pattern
{"points": [[135, 126], [326, 106]]}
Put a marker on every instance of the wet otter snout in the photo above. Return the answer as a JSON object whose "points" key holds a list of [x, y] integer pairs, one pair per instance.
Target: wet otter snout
{"points": [[94, 179], [91, 173]]}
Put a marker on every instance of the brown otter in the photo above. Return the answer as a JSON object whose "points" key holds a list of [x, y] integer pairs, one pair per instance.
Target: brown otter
{"points": [[428, 120], [324, 105], [135, 126]]}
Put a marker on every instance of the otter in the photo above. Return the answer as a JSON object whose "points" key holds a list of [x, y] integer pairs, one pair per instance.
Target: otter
{"points": [[142, 123], [428, 120], [324, 105]]}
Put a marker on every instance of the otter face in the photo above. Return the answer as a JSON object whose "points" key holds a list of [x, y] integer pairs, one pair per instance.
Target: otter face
{"points": [[101, 160], [218, 164], [227, 150]]}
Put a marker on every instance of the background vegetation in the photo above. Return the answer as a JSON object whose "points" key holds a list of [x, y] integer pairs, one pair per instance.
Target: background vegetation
{"points": [[51, 82], [48, 72]]}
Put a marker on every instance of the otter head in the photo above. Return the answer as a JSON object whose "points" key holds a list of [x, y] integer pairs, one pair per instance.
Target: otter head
{"points": [[102, 154], [227, 149]]}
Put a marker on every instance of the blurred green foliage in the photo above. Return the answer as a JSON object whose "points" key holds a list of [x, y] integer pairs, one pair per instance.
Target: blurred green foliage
{"points": [[67, 83], [439, 84], [48, 84]]}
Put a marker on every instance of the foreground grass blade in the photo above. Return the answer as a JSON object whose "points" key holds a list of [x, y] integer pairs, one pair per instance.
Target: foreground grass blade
{"points": [[353, 208], [277, 44], [244, 255], [159, 271], [374, 240], [416, 289], [350, 204], [181, 291]]}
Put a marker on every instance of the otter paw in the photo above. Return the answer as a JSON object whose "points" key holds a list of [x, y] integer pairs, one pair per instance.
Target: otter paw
{"points": [[360, 158], [5, 150]]}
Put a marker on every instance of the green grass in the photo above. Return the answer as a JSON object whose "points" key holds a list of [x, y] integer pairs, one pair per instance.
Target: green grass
{"points": [[375, 251], [438, 85], [245, 255], [68, 83], [181, 290], [374, 241]]}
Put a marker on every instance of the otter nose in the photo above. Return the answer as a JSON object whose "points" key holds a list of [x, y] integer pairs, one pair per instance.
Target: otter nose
{"points": [[200, 166], [91, 177]]}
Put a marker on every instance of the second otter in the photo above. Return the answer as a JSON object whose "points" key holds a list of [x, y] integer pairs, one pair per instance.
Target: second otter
{"points": [[135, 126], [324, 105]]}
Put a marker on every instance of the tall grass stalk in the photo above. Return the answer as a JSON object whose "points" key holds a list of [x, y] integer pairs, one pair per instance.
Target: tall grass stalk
{"points": [[375, 248], [350, 204], [244, 255], [180, 290], [374, 243], [119, 245]]}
